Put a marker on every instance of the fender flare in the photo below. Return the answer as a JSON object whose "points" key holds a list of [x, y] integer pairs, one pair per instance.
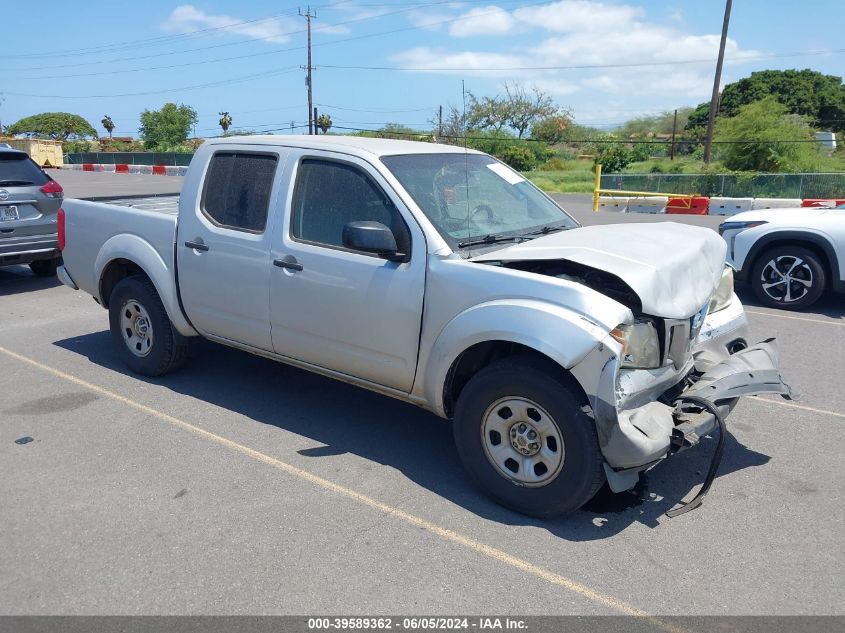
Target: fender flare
{"points": [[141, 253], [563, 335]]}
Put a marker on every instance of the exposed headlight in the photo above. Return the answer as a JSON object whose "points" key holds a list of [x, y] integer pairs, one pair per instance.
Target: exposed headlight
{"points": [[724, 293], [640, 345]]}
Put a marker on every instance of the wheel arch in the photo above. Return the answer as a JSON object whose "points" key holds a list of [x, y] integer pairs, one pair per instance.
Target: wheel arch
{"points": [[480, 355], [495, 330], [125, 255], [813, 242]]}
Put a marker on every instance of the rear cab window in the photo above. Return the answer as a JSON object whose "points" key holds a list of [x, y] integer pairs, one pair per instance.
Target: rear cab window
{"points": [[237, 190], [19, 170]]}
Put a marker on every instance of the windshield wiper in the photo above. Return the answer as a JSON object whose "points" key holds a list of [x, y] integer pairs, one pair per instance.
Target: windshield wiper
{"points": [[491, 239], [546, 230]]}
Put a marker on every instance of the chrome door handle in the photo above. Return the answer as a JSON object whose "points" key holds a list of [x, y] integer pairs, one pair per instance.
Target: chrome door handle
{"points": [[289, 262], [197, 245]]}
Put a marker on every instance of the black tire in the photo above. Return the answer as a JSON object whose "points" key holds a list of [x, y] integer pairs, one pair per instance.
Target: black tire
{"points": [[581, 473], [810, 270], [168, 348], [45, 267]]}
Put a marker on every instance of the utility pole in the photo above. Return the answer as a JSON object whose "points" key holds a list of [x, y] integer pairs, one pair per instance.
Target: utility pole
{"points": [[714, 99], [440, 123], [312, 124], [674, 128]]}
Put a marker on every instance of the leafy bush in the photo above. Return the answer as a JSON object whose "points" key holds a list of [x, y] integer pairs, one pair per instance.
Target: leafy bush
{"points": [[520, 158], [74, 147], [613, 158], [764, 137]]}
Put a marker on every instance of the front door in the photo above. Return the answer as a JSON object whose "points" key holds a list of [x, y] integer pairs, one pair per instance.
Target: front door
{"points": [[330, 306], [223, 246]]}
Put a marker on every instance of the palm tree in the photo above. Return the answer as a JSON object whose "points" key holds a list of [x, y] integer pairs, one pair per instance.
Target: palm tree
{"points": [[225, 121], [324, 122], [108, 124]]}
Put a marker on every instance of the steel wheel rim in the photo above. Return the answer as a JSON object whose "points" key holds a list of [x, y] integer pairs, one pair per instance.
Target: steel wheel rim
{"points": [[787, 278], [136, 328], [506, 434]]}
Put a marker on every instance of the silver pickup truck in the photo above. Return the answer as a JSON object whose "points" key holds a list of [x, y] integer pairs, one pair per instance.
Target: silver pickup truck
{"points": [[564, 355]]}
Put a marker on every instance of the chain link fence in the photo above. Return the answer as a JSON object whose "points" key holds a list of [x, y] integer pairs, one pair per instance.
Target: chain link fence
{"points": [[733, 185], [130, 158]]}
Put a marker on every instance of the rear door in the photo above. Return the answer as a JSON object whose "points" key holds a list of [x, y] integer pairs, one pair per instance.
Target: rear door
{"points": [[24, 209], [223, 245]]}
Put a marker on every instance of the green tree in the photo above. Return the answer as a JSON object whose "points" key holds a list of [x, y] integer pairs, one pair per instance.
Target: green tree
{"points": [[551, 129], [55, 125], [762, 137], [613, 158], [518, 109], [107, 124], [819, 97], [657, 124], [225, 121], [168, 127], [324, 122]]}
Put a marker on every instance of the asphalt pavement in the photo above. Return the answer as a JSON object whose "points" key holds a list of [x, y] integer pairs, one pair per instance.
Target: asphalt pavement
{"points": [[242, 486]]}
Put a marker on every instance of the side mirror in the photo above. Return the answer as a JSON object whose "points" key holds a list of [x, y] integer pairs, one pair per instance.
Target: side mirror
{"points": [[372, 237]]}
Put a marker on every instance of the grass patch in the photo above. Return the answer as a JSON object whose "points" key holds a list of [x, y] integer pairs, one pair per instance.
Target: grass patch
{"points": [[569, 181]]}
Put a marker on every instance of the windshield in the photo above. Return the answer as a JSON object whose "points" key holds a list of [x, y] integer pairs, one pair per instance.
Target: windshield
{"points": [[473, 199]]}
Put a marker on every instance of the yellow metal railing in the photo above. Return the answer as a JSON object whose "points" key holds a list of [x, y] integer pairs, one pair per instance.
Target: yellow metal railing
{"points": [[685, 199]]}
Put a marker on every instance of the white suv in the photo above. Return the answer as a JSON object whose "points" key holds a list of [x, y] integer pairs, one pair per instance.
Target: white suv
{"points": [[789, 256]]}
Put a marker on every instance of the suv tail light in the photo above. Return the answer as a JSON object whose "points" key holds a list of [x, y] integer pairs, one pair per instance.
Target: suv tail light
{"points": [[60, 225], [53, 190]]}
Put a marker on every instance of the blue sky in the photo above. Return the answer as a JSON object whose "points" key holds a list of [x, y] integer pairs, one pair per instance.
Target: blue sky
{"points": [[645, 56]]}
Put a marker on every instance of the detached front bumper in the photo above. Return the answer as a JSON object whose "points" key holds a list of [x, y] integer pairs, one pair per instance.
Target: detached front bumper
{"points": [[644, 435]]}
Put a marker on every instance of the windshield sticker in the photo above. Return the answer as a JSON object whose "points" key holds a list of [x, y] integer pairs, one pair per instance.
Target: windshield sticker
{"points": [[510, 176]]}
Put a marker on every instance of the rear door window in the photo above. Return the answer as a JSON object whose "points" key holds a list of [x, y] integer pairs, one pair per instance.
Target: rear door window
{"points": [[19, 170], [237, 190]]}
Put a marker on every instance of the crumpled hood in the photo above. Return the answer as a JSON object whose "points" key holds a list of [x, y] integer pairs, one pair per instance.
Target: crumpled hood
{"points": [[674, 268]]}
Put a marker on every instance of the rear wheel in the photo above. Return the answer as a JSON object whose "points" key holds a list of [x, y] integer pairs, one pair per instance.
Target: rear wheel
{"points": [[788, 277], [527, 440], [45, 267], [142, 330]]}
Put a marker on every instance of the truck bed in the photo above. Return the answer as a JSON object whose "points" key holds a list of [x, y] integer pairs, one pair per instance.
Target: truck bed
{"points": [[141, 229]]}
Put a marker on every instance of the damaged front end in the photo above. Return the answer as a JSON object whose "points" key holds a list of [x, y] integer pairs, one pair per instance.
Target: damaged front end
{"points": [[636, 429]]}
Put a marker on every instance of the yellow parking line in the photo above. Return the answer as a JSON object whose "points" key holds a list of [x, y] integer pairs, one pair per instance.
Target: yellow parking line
{"points": [[794, 318], [792, 405], [444, 533]]}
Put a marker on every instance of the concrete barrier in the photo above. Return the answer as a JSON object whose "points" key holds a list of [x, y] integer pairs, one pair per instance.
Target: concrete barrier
{"points": [[688, 206], [613, 203], [729, 206], [121, 168], [822, 202], [109, 167], [158, 170], [648, 204], [775, 203]]}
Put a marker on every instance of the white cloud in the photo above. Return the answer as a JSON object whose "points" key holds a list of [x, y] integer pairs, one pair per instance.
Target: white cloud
{"points": [[572, 16], [187, 18], [582, 33], [489, 20]]}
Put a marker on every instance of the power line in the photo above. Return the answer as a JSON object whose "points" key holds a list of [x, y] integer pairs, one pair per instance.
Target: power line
{"points": [[584, 66], [226, 44], [249, 55], [154, 92], [155, 41]]}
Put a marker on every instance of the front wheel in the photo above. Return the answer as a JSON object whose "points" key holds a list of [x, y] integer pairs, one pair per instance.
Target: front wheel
{"points": [[527, 440], [142, 330], [788, 277]]}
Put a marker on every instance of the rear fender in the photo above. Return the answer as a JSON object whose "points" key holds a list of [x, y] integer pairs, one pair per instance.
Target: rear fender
{"points": [[141, 252]]}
